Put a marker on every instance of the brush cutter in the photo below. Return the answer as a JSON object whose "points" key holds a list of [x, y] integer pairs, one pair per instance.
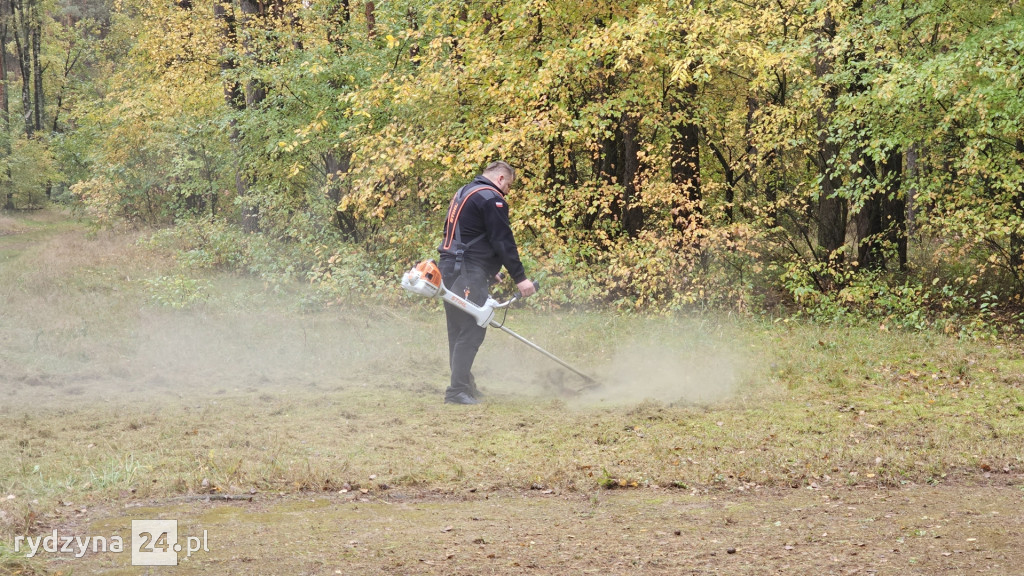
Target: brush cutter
{"points": [[425, 279]]}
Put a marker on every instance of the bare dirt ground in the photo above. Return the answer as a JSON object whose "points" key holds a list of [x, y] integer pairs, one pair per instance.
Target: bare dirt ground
{"points": [[921, 530], [315, 443]]}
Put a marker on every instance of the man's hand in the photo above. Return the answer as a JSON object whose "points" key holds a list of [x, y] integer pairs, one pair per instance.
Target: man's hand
{"points": [[526, 287]]}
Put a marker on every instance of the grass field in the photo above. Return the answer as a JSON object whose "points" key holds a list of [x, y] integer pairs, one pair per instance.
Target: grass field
{"points": [[309, 440]]}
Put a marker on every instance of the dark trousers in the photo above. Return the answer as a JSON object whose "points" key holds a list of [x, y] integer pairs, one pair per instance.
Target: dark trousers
{"points": [[464, 336]]}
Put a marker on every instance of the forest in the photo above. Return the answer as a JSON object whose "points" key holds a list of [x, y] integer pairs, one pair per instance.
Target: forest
{"points": [[843, 160], [784, 239]]}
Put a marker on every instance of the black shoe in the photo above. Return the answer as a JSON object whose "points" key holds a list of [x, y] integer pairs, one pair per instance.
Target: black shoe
{"points": [[461, 398], [476, 393]]}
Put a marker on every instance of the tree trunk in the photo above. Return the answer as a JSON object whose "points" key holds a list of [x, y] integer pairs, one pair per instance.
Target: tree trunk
{"points": [[70, 63], [414, 24], [22, 42], [728, 173], [868, 220], [255, 91], [233, 95], [767, 163], [632, 210], [37, 69], [687, 213], [1016, 238], [911, 194], [371, 19], [554, 203], [5, 102], [882, 219], [832, 218], [6, 14], [253, 13], [894, 206], [235, 99], [337, 165], [608, 160], [832, 210]]}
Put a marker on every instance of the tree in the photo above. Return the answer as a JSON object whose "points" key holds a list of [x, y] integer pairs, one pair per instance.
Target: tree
{"points": [[676, 147]]}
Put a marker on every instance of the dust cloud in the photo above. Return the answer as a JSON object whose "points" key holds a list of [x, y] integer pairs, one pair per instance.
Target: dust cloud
{"points": [[673, 363], [192, 356], [641, 372], [78, 325], [223, 350]]}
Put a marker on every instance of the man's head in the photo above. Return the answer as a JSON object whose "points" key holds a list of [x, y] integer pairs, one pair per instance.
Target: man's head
{"points": [[501, 174]]}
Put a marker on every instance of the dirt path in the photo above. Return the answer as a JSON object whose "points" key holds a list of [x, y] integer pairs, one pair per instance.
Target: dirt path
{"points": [[917, 530]]}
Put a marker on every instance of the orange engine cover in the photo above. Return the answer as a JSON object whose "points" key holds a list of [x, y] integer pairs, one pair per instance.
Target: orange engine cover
{"points": [[428, 269]]}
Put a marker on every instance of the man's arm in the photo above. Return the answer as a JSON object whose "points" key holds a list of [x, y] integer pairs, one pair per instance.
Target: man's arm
{"points": [[499, 235]]}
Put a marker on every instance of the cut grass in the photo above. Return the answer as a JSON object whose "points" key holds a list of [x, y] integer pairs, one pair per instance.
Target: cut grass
{"points": [[289, 436], [16, 564], [111, 396]]}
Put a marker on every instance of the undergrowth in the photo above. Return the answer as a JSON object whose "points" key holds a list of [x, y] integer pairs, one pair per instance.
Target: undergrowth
{"points": [[719, 280]]}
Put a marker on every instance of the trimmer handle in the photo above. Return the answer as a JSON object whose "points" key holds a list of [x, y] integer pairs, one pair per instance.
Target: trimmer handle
{"points": [[518, 295], [536, 288]]}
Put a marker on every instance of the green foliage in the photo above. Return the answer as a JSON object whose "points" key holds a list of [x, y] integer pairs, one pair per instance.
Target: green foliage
{"points": [[211, 244], [759, 156], [116, 472], [30, 170], [369, 271], [177, 291], [952, 307]]}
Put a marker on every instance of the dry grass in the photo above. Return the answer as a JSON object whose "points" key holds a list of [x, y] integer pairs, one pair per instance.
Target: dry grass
{"points": [[110, 397], [10, 225]]}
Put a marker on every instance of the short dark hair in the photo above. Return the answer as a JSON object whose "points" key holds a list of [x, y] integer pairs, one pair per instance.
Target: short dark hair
{"points": [[500, 166]]}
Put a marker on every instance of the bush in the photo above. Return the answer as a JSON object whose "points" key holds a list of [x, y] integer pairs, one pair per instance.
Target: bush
{"points": [[177, 291], [32, 171]]}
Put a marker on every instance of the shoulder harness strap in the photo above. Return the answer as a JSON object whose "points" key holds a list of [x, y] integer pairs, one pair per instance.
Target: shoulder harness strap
{"points": [[454, 234]]}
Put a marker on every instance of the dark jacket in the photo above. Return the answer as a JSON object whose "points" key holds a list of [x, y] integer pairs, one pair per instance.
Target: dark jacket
{"points": [[484, 215]]}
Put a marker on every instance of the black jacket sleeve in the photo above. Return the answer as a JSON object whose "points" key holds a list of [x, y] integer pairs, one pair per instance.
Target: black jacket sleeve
{"points": [[499, 236]]}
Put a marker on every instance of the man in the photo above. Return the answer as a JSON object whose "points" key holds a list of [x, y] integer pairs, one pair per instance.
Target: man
{"points": [[477, 243]]}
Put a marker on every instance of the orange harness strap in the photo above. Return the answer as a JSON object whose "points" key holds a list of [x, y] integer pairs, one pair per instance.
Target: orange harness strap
{"points": [[454, 211]]}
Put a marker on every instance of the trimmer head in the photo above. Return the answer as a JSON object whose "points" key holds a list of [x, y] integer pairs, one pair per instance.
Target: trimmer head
{"points": [[565, 385]]}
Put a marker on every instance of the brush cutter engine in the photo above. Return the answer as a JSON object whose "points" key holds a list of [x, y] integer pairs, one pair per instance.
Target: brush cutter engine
{"points": [[425, 279]]}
